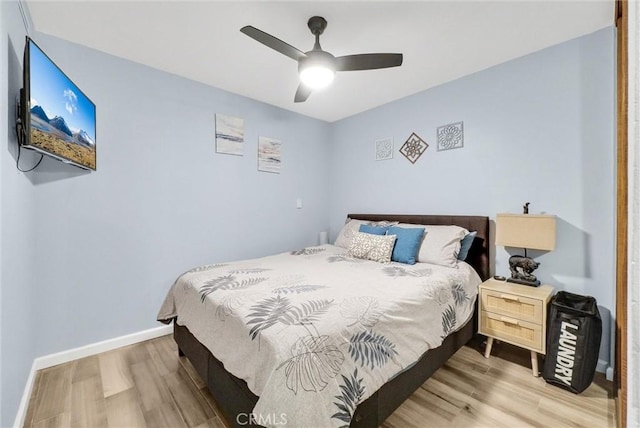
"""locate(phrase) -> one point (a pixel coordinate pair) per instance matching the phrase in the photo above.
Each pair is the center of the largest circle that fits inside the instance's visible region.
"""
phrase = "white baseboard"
(81, 352)
(104, 346)
(609, 373)
(604, 367)
(24, 402)
(601, 366)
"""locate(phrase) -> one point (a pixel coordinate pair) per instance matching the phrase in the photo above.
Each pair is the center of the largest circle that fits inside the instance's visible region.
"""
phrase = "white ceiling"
(200, 40)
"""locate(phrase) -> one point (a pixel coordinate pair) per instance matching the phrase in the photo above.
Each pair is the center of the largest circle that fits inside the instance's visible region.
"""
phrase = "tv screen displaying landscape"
(62, 118)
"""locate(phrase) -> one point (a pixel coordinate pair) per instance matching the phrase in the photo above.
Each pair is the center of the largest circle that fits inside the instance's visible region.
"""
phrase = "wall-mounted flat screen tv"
(59, 120)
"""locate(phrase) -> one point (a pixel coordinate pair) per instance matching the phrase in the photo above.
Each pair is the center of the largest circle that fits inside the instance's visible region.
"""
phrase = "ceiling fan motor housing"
(317, 24)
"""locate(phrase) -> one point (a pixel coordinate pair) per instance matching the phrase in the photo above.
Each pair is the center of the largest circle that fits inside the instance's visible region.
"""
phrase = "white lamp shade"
(531, 231)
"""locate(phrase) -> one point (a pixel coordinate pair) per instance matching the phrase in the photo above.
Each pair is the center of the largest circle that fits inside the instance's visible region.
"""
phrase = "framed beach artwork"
(229, 135)
(269, 155)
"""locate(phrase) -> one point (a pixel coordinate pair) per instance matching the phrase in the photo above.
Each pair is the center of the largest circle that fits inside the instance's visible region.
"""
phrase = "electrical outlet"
(299, 203)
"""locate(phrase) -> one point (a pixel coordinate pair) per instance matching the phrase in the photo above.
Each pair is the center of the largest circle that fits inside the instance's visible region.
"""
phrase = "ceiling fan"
(317, 67)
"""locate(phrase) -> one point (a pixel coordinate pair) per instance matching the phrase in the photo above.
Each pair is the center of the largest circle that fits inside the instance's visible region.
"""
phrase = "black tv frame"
(24, 109)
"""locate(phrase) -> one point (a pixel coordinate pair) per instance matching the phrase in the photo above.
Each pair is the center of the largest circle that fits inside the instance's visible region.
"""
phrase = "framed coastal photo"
(384, 149)
(269, 155)
(229, 135)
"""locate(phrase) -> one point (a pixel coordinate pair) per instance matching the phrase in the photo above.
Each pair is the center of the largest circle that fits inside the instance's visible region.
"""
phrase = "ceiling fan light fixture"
(317, 76)
(317, 69)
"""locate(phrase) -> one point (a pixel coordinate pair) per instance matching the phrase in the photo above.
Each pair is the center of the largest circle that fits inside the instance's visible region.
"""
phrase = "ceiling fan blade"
(302, 93)
(368, 61)
(273, 43)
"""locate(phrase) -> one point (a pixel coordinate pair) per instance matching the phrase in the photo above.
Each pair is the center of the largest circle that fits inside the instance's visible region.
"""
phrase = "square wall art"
(384, 149)
(450, 136)
(229, 135)
(413, 148)
(269, 155)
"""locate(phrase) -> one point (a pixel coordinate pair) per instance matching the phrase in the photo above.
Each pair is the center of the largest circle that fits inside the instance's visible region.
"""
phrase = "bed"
(398, 368)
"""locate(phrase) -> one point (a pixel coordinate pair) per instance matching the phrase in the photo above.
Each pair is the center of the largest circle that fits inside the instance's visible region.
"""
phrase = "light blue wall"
(111, 242)
(17, 239)
(539, 128)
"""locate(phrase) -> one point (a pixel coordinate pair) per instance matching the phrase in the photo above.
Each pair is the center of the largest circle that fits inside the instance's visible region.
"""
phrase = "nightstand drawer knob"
(510, 297)
(509, 321)
(503, 319)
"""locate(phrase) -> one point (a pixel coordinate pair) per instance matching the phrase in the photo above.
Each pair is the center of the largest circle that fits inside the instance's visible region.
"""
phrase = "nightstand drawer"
(517, 332)
(511, 305)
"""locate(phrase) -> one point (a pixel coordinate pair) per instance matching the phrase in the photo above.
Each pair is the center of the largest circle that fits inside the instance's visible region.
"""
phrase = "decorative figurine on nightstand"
(527, 231)
(522, 268)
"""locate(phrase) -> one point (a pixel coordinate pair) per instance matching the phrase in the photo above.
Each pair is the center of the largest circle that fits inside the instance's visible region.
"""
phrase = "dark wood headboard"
(478, 254)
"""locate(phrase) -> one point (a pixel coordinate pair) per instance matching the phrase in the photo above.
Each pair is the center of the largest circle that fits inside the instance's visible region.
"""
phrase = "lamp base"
(535, 283)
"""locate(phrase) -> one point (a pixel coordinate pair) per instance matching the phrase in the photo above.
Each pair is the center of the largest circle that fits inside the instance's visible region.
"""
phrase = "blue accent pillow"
(407, 244)
(465, 245)
(373, 230)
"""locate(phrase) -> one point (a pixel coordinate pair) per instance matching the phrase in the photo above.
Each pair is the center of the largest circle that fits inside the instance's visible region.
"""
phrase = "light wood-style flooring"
(147, 384)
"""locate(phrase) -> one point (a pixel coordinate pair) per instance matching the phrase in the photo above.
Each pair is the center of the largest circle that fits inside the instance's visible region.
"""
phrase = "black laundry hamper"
(574, 330)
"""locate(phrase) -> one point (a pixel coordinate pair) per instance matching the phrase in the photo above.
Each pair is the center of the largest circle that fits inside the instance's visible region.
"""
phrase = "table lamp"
(527, 231)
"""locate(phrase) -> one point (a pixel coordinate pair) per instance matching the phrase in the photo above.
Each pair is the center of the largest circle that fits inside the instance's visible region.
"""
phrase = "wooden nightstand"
(515, 314)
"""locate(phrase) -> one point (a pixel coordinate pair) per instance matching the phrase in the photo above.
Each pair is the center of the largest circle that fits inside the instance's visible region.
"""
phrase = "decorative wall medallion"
(229, 135)
(384, 149)
(413, 148)
(450, 136)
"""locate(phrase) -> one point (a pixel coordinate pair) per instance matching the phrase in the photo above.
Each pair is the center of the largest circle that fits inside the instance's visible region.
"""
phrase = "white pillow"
(372, 247)
(440, 245)
(350, 228)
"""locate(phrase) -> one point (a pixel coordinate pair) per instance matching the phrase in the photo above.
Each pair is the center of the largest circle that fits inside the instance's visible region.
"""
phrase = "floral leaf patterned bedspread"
(314, 332)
